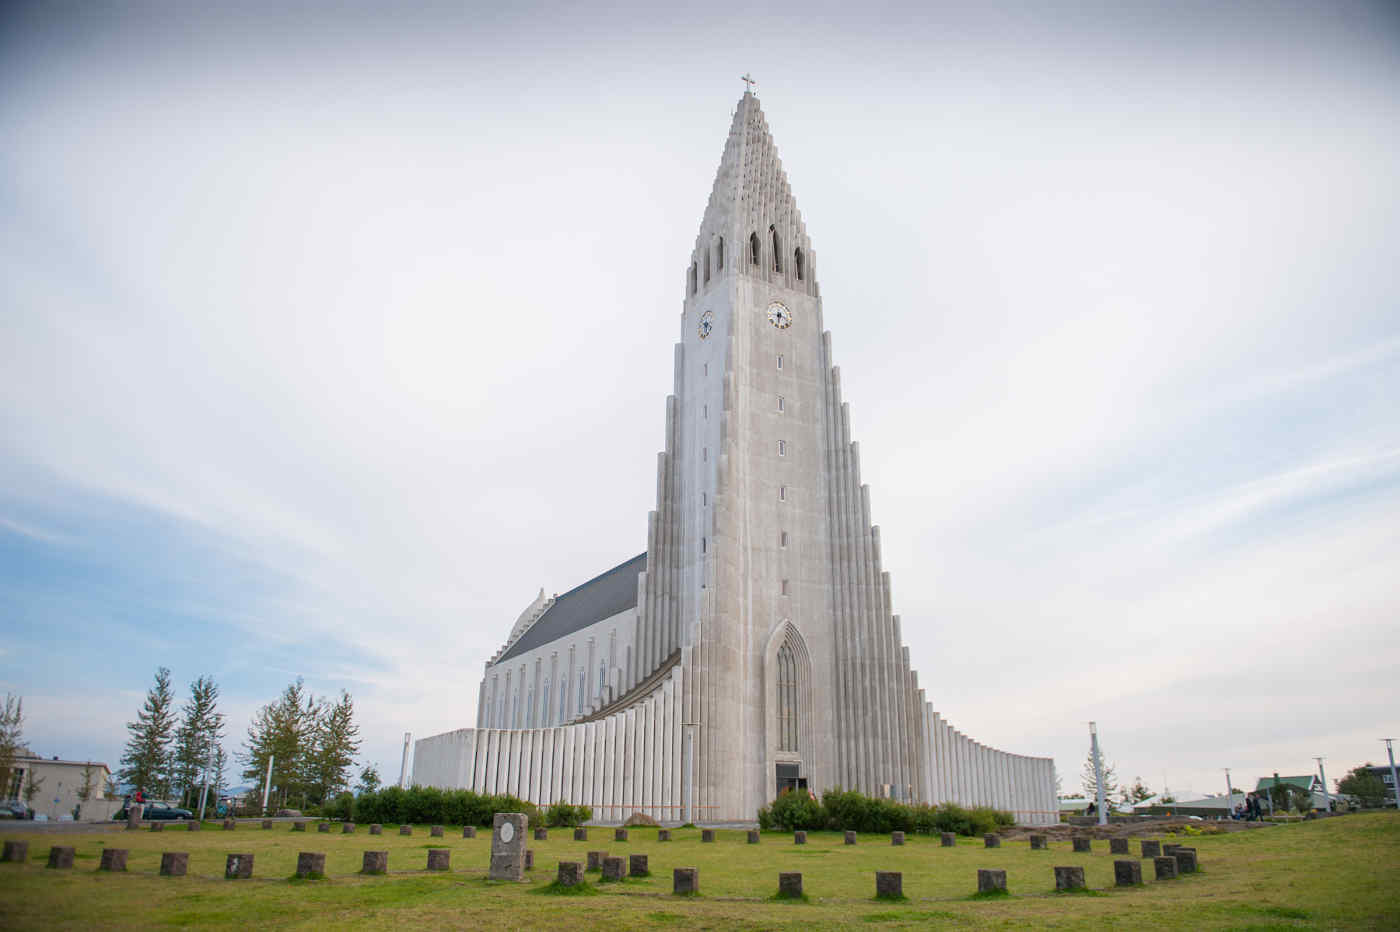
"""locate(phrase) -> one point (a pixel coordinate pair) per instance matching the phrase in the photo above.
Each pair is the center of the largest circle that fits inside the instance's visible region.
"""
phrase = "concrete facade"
(763, 649)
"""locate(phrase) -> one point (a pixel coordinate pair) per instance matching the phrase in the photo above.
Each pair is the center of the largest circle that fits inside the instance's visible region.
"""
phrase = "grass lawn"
(1331, 873)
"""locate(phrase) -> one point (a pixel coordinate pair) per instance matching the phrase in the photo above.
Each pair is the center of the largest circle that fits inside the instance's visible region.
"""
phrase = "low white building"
(55, 788)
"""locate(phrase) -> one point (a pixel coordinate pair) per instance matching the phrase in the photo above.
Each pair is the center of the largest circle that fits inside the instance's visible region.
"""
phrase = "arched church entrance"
(787, 671)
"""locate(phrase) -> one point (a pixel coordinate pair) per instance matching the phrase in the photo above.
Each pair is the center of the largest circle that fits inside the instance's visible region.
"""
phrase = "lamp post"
(1322, 772)
(1229, 794)
(1394, 783)
(1098, 771)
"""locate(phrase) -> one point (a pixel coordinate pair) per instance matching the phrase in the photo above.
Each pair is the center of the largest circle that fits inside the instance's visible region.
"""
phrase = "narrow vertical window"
(782, 539)
(787, 699)
(581, 688)
(707, 266)
(544, 703)
(602, 676)
(707, 370)
(702, 545)
(797, 264)
(753, 248)
(705, 454)
(780, 360)
(719, 253)
(782, 405)
(693, 287)
(704, 498)
(782, 448)
(705, 409)
(782, 493)
(777, 249)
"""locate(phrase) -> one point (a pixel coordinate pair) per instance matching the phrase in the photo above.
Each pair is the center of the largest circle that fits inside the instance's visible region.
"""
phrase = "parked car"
(14, 809)
(157, 812)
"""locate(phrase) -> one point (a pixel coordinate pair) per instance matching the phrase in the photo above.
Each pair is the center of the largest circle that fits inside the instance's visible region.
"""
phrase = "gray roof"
(601, 597)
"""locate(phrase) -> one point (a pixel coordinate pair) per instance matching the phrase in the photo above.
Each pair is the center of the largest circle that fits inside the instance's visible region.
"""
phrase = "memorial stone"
(61, 856)
(375, 862)
(435, 831)
(238, 867)
(991, 841)
(619, 834)
(1152, 849)
(614, 868)
(685, 880)
(529, 859)
(896, 838)
(157, 826)
(1118, 846)
(193, 825)
(267, 823)
(230, 825)
(508, 846)
(1165, 866)
(799, 838)
(1127, 873)
(1039, 843)
(113, 859)
(133, 818)
(989, 881)
(439, 859)
(947, 839)
(468, 831)
(570, 874)
(637, 865)
(753, 836)
(1069, 878)
(15, 851)
(174, 863)
(1185, 860)
(1081, 845)
(541, 834)
(790, 886)
(311, 865)
(595, 860)
(889, 885)
(663, 834)
(298, 826)
(707, 834)
(405, 829)
(580, 834)
(1170, 849)
(850, 838)
(323, 827)
(376, 829)
(347, 828)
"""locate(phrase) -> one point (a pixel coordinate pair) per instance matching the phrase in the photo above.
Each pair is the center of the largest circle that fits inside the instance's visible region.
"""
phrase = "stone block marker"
(193, 825)
(580, 834)
(174, 863)
(685, 880)
(947, 839)
(896, 838)
(1185, 860)
(1081, 845)
(230, 825)
(323, 827)
(113, 859)
(157, 826)
(347, 828)
(889, 885)
(619, 834)
(1169, 850)
(375, 862)
(1118, 846)
(1069, 878)
(570, 874)
(991, 841)
(614, 868)
(707, 834)
(663, 834)
(376, 829)
(238, 867)
(1152, 849)
(508, 846)
(541, 834)
(790, 886)
(298, 826)
(989, 881)
(1039, 843)
(1165, 866)
(595, 860)
(435, 831)
(61, 857)
(753, 836)
(637, 865)
(529, 859)
(311, 864)
(405, 829)
(16, 851)
(850, 838)
(267, 823)
(439, 859)
(133, 818)
(1127, 873)
(468, 831)
(799, 838)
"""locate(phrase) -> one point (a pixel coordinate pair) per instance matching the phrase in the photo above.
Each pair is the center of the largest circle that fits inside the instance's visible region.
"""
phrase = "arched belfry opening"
(787, 670)
(777, 249)
(753, 248)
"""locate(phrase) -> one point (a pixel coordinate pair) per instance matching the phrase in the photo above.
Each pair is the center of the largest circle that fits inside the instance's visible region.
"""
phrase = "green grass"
(1331, 873)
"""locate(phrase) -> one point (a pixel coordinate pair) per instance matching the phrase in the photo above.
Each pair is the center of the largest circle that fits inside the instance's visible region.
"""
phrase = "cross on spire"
(748, 80)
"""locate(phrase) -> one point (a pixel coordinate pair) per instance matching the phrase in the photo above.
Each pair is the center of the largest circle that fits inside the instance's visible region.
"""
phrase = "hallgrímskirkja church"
(753, 646)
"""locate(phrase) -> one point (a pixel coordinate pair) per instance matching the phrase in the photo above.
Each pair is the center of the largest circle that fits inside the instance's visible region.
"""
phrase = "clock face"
(779, 316)
(707, 323)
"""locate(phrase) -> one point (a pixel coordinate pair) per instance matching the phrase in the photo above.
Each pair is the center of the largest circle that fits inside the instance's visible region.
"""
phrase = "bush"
(563, 815)
(427, 805)
(341, 807)
(792, 810)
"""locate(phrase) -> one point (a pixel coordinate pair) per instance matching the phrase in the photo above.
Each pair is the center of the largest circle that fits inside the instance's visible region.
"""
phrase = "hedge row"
(427, 805)
(847, 810)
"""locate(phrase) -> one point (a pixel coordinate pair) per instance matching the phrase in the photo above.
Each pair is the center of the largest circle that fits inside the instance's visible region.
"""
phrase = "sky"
(331, 334)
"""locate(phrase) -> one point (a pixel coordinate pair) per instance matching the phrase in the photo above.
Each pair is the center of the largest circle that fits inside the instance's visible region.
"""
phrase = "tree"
(1110, 777)
(282, 731)
(31, 789)
(11, 739)
(146, 762)
(1132, 795)
(335, 746)
(369, 780)
(202, 727)
(1362, 783)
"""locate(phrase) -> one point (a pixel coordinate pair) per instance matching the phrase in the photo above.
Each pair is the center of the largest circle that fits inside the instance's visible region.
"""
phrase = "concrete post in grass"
(1069, 878)
(990, 881)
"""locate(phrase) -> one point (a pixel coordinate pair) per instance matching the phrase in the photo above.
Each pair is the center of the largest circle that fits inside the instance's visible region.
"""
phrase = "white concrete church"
(752, 647)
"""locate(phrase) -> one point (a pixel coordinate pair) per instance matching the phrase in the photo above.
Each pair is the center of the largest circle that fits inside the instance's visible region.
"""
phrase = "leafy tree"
(1110, 777)
(1362, 783)
(110, 787)
(201, 728)
(11, 739)
(369, 780)
(1132, 795)
(146, 762)
(283, 731)
(335, 743)
(31, 789)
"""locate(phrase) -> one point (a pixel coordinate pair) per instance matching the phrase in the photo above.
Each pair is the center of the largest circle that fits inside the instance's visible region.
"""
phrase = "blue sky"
(331, 336)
